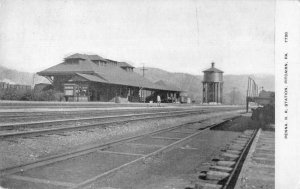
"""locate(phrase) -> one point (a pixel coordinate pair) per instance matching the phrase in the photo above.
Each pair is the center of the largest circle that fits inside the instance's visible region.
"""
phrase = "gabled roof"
(75, 56)
(85, 66)
(116, 75)
(95, 57)
(166, 86)
(104, 74)
(85, 57)
(89, 77)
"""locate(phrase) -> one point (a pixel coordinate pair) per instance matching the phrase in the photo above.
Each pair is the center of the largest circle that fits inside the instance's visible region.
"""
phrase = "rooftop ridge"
(94, 57)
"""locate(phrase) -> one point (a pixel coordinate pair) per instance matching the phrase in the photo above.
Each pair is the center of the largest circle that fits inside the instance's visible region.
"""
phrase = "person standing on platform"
(158, 100)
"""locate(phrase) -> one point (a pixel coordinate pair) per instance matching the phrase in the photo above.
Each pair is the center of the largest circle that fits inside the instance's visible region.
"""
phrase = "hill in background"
(234, 90)
(235, 86)
(23, 78)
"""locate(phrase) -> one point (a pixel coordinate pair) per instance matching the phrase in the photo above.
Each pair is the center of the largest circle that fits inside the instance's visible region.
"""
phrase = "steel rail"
(231, 181)
(49, 122)
(68, 155)
(78, 127)
(10, 115)
(85, 150)
(91, 180)
(79, 111)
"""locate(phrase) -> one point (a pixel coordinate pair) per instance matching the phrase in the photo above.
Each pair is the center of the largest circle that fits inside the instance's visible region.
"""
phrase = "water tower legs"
(212, 92)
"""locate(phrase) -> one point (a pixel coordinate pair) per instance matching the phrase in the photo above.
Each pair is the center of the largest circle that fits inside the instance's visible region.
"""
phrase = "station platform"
(259, 167)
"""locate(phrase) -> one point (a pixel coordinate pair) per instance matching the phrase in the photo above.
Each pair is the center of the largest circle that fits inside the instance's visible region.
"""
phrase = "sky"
(174, 35)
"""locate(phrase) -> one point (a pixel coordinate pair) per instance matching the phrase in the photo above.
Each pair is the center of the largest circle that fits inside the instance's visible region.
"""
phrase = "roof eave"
(42, 73)
(213, 71)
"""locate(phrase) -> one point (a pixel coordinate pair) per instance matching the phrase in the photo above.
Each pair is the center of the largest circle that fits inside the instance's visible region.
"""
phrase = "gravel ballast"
(17, 151)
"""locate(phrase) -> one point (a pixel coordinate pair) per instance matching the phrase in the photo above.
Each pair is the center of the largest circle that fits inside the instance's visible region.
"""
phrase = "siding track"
(157, 143)
(37, 128)
(58, 126)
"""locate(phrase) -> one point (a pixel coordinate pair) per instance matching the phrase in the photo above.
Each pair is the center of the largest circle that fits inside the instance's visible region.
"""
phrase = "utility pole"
(144, 69)
(142, 91)
(248, 94)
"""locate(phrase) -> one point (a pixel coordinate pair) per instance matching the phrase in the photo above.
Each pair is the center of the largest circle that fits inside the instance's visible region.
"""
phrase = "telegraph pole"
(144, 69)
(142, 91)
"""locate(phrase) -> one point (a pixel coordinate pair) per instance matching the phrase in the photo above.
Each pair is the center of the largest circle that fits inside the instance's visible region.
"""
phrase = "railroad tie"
(242, 140)
(221, 168)
(237, 152)
(229, 156)
(213, 175)
(201, 185)
(226, 163)
(236, 147)
(244, 137)
(239, 143)
(224, 166)
(216, 175)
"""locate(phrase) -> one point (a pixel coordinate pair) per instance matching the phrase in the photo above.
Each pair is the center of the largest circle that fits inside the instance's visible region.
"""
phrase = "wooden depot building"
(84, 77)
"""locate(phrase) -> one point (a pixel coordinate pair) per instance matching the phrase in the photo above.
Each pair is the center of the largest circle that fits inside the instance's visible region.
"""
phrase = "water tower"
(212, 85)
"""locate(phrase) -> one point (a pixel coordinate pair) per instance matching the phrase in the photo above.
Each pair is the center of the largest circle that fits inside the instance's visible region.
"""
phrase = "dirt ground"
(240, 124)
(180, 166)
(176, 169)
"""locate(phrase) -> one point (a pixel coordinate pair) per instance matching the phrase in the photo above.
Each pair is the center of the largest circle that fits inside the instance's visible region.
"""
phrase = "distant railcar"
(17, 87)
(265, 114)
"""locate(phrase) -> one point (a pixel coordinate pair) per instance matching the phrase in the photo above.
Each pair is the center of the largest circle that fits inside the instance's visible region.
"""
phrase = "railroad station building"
(84, 77)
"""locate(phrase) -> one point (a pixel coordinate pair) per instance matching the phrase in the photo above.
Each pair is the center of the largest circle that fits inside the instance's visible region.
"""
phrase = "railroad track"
(10, 117)
(58, 126)
(32, 104)
(7, 116)
(183, 132)
(224, 171)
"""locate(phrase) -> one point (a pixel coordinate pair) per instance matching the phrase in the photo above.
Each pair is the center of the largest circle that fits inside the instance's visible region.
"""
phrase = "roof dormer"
(125, 66)
(74, 59)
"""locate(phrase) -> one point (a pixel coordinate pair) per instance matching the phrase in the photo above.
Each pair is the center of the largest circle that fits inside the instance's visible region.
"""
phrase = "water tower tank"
(212, 85)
